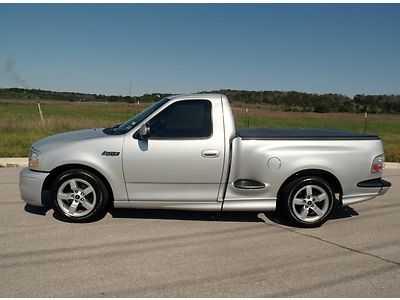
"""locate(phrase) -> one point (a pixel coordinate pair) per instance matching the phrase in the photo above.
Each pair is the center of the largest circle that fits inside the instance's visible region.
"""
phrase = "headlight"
(34, 158)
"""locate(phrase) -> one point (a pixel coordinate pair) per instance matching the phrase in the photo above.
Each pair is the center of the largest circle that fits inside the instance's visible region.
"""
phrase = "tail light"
(378, 164)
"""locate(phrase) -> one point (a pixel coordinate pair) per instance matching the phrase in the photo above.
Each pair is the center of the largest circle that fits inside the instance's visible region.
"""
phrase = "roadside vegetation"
(287, 101)
(20, 124)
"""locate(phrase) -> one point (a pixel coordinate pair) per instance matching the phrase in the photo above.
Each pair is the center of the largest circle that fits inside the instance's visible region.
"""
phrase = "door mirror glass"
(144, 131)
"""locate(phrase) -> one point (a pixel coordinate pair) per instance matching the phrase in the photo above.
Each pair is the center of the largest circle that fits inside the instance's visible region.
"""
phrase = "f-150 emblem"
(110, 153)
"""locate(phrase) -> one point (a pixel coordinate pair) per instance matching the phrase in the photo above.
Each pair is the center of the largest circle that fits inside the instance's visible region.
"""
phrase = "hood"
(68, 137)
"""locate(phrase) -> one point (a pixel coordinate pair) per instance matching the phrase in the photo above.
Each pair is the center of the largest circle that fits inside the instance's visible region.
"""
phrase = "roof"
(196, 96)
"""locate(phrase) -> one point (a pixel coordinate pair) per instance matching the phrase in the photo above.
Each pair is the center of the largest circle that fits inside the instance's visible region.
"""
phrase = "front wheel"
(79, 196)
(307, 201)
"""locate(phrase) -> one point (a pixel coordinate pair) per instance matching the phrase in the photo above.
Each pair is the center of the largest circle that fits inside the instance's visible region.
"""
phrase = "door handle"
(210, 153)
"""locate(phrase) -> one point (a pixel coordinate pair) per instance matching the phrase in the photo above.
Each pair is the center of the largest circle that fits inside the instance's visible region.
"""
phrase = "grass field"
(20, 124)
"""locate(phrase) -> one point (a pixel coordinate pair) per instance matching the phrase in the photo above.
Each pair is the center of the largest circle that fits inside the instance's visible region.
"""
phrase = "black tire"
(79, 196)
(306, 202)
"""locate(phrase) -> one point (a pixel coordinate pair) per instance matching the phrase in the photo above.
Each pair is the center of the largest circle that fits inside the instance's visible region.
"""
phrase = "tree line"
(287, 101)
(322, 103)
(36, 94)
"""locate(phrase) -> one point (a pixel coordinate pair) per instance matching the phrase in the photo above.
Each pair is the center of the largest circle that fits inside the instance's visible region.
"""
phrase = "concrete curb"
(391, 165)
(23, 162)
(13, 162)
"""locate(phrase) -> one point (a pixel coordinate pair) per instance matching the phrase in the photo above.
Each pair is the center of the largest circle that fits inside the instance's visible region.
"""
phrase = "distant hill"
(288, 101)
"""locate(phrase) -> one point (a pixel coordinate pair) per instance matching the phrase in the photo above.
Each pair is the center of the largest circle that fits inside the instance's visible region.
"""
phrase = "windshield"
(128, 125)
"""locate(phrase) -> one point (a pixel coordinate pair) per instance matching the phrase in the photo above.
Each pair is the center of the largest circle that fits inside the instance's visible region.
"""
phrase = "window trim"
(183, 138)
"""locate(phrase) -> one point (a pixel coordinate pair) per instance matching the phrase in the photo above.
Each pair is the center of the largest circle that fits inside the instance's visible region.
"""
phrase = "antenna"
(130, 88)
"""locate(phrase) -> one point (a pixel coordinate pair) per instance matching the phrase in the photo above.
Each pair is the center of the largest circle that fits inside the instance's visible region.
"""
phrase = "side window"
(183, 119)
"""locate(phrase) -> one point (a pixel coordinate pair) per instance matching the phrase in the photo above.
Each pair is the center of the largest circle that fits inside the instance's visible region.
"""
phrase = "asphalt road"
(133, 253)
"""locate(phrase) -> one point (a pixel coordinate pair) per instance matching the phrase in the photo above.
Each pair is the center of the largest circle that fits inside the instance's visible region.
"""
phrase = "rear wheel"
(79, 196)
(307, 201)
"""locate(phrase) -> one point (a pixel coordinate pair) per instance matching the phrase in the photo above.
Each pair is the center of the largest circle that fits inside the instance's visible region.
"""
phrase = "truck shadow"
(185, 215)
(338, 213)
(343, 212)
(163, 214)
(36, 210)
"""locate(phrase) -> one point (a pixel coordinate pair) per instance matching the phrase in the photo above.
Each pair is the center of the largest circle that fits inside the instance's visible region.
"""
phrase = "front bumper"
(30, 186)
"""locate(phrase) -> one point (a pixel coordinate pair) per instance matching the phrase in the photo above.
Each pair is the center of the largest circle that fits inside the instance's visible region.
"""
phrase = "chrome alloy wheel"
(76, 197)
(310, 203)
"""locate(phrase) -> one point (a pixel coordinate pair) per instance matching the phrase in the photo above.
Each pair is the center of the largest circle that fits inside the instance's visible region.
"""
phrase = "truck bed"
(301, 134)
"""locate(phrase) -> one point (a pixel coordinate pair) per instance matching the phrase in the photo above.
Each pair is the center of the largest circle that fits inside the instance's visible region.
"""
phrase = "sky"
(122, 49)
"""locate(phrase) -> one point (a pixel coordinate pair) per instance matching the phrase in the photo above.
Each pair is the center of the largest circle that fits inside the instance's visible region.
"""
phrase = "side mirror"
(143, 132)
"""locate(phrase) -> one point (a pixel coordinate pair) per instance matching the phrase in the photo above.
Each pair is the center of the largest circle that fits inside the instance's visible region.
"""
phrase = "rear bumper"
(369, 189)
(376, 183)
(30, 186)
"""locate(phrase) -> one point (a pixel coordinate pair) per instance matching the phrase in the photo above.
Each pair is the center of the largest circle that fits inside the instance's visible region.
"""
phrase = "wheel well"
(325, 175)
(57, 171)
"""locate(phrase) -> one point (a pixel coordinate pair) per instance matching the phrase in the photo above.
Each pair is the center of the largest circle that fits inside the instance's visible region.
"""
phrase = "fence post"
(365, 122)
(247, 118)
(40, 113)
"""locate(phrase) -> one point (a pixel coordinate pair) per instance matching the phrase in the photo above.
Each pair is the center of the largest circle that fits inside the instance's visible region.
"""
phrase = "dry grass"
(20, 125)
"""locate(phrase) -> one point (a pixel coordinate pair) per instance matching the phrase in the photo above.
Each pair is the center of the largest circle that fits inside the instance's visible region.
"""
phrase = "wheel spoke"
(317, 210)
(309, 190)
(86, 204)
(298, 201)
(304, 213)
(63, 196)
(73, 207)
(322, 197)
(88, 190)
(72, 184)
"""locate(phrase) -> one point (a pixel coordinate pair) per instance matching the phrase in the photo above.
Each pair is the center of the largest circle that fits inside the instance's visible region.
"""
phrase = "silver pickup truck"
(184, 152)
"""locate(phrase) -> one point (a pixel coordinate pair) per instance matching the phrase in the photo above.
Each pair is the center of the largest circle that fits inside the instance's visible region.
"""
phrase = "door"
(182, 158)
